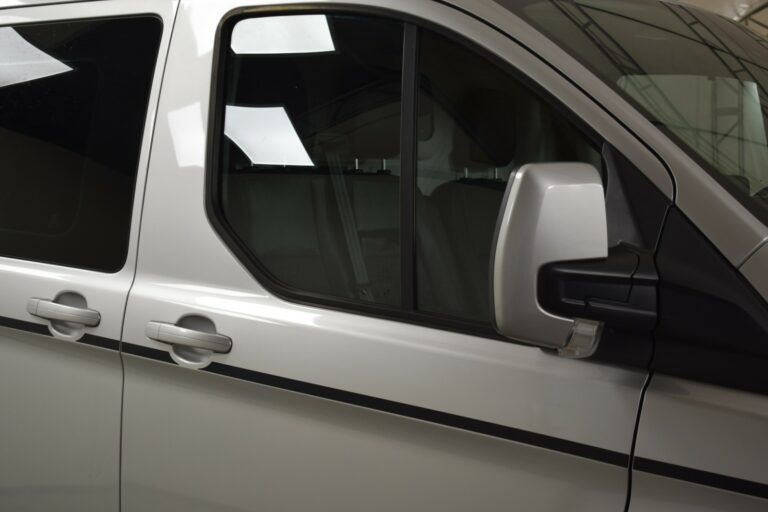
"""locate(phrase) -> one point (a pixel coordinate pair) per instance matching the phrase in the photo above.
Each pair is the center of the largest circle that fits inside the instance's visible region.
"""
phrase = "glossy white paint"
(737, 234)
(60, 426)
(10, 4)
(207, 442)
(60, 444)
(651, 493)
(551, 212)
(199, 441)
(237, 428)
(706, 428)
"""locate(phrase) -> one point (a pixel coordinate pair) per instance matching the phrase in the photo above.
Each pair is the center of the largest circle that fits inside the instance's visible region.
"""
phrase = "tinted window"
(310, 154)
(73, 103)
(309, 180)
(477, 125)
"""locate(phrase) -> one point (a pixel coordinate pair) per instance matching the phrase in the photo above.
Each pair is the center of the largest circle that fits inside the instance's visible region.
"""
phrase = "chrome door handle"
(54, 311)
(175, 335)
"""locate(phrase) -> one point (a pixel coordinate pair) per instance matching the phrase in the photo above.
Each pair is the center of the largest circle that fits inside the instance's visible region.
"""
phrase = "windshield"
(700, 77)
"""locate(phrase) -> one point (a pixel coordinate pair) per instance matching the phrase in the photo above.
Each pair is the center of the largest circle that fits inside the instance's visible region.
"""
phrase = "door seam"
(634, 440)
(161, 79)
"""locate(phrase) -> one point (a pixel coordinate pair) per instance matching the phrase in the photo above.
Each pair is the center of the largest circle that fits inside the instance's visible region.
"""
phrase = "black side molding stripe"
(98, 341)
(401, 409)
(87, 339)
(22, 325)
(472, 425)
(696, 476)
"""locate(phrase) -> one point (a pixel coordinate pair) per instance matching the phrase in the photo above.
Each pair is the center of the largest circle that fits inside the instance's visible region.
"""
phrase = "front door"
(310, 322)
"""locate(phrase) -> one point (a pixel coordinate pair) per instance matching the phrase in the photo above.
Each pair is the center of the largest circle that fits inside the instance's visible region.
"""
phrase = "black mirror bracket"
(620, 290)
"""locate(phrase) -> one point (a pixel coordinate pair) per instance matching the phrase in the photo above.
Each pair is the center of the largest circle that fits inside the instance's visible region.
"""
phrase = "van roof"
(8, 4)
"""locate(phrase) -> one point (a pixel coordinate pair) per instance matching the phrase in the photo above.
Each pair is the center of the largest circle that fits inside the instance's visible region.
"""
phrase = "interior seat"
(375, 201)
(290, 223)
(484, 140)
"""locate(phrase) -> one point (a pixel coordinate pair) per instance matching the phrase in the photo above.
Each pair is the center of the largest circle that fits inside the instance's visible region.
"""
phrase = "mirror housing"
(551, 212)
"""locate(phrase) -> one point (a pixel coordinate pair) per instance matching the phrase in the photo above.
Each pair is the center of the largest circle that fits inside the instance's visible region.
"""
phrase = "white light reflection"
(266, 135)
(188, 135)
(282, 34)
(47, 274)
(21, 61)
(213, 290)
(278, 315)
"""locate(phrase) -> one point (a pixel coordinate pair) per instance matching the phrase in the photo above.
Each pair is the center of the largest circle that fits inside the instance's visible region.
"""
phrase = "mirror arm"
(620, 290)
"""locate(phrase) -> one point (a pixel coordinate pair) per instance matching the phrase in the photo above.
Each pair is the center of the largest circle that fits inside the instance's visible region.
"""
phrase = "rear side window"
(73, 105)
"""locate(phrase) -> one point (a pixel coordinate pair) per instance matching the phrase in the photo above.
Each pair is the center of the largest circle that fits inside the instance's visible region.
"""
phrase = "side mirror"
(551, 213)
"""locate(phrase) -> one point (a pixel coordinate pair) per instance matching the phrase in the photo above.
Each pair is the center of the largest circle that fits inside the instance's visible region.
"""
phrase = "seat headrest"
(486, 128)
(376, 133)
(369, 120)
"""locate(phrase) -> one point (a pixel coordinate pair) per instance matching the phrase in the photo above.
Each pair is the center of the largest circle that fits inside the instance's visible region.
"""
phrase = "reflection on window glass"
(758, 22)
(701, 77)
(280, 35)
(310, 156)
(720, 118)
(265, 135)
(73, 103)
(477, 125)
(21, 61)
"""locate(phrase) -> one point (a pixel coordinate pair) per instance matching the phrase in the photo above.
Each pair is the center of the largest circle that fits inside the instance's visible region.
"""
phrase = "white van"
(422, 255)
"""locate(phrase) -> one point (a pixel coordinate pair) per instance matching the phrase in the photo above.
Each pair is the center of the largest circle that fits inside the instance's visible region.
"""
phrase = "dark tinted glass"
(700, 77)
(73, 103)
(476, 126)
(310, 159)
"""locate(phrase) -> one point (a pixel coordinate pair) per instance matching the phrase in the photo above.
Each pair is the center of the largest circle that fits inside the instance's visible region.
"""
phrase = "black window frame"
(142, 146)
(407, 311)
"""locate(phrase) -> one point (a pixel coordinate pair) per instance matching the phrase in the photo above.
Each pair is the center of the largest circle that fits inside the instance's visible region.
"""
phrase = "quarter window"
(325, 196)
(73, 103)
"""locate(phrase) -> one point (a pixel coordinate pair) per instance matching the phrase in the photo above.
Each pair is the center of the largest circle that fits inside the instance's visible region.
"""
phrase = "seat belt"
(350, 228)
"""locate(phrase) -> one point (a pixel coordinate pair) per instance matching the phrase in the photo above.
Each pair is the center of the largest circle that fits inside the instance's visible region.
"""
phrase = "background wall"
(753, 13)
